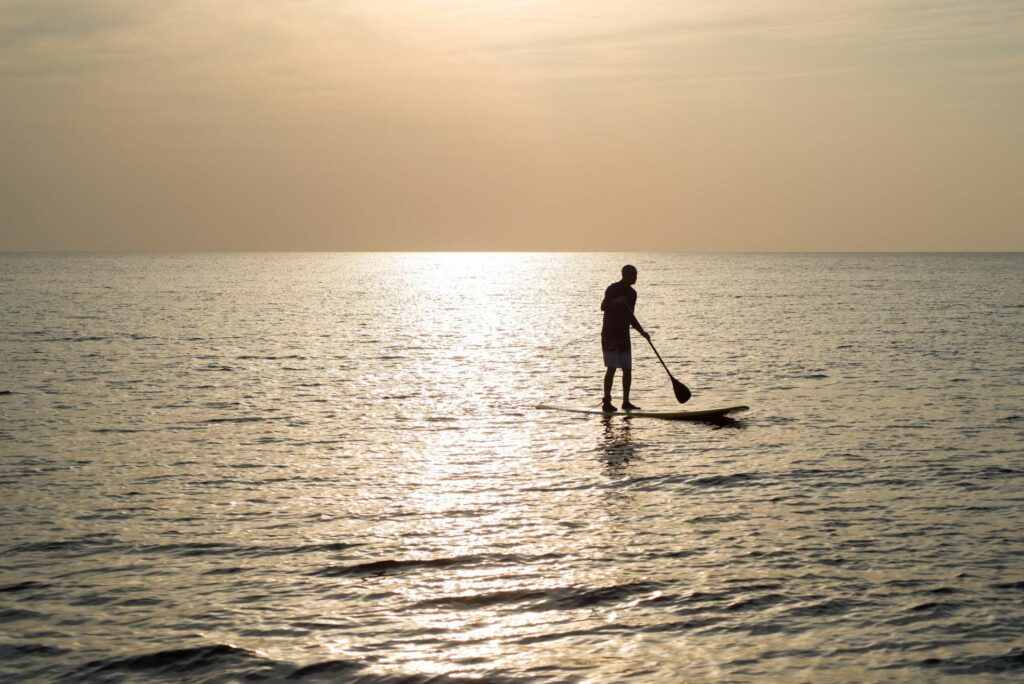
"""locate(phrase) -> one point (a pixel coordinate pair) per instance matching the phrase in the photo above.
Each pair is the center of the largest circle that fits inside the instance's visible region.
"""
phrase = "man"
(618, 305)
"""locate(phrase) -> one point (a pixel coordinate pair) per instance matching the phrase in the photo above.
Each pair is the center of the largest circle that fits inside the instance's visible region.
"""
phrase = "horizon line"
(494, 251)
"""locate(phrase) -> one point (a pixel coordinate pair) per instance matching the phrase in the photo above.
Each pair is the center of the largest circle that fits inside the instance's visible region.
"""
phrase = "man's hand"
(646, 335)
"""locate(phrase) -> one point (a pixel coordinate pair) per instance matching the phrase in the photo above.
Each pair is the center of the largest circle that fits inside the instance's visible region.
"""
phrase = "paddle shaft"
(659, 358)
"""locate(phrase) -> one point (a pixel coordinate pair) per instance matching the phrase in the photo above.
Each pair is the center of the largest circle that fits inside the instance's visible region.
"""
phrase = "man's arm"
(608, 304)
(639, 328)
(635, 323)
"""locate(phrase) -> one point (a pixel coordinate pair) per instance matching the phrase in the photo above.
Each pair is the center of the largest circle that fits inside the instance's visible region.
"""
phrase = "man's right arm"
(609, 303)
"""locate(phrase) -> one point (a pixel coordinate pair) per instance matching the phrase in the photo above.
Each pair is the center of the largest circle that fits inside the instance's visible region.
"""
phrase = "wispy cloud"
(448, 115)
(49, 37)
(29, 21)
(750, 39)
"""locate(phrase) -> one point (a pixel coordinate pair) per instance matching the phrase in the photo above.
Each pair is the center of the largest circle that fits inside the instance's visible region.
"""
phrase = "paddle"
(682, 392)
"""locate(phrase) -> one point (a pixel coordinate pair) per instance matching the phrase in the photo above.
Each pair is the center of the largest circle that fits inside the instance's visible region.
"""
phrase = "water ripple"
(327, 467)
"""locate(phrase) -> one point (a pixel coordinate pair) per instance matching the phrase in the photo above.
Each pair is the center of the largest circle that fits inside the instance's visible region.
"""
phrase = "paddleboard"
(704, 414)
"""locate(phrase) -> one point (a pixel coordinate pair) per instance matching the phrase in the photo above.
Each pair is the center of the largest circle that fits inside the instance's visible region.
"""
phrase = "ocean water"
(329, 467)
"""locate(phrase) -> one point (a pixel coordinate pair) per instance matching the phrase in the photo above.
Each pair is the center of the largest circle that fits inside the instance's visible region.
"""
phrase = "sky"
(591, 125)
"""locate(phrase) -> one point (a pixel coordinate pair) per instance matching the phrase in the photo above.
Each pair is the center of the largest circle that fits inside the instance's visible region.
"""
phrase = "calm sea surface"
(329, 467)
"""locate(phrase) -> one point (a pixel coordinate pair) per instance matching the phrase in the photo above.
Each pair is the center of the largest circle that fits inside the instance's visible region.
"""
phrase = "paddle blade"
(682, 392)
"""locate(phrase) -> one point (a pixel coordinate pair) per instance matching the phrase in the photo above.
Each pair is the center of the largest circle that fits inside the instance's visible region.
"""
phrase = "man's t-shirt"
(617, 318)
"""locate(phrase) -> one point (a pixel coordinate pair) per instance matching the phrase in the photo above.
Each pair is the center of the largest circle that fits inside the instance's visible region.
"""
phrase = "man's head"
(629, 274)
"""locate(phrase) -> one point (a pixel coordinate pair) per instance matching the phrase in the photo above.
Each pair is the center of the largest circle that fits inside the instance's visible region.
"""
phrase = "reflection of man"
(618, 445)
(619, 302)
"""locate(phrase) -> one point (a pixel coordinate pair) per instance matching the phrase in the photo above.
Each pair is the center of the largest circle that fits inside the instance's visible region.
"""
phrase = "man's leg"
(627, 380)
(606, 403)
(609, 376)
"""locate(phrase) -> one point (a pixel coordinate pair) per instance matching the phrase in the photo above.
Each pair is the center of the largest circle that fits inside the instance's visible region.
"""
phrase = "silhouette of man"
(618, 305)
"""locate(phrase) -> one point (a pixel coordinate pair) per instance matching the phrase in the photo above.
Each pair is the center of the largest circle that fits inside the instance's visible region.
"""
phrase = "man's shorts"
(619, 359)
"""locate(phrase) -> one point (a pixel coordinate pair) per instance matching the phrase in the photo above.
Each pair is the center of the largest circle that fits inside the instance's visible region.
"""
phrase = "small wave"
(9, 651)
(1012, 661)
(560, 598)
(720, 480)
(928, 610)
(234, 570)
(820, 608)
(587, 598)
(172, 663)
(688, 625)
(104, 540)
(140, 602)
(187, 549)
(756, 602)
(646, 483)
(255, 551)
(21, 586)
(223, 662)
(16, 614)
(997, 472)
(488, 600)
(705, 519)
(333, 670)
(568, 634)
(393, 566)
(682, 553)
(312, 548)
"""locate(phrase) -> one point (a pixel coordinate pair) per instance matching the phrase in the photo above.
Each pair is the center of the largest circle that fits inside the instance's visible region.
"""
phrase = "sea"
(331, 467)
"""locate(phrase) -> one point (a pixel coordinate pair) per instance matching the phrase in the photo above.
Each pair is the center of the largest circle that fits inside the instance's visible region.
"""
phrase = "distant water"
(329, 467)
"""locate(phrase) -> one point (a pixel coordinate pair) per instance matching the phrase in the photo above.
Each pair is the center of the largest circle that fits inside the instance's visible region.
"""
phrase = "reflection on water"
(236, 466)
(617, 444)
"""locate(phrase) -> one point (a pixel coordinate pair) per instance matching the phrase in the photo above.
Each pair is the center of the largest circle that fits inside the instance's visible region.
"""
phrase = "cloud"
(27, 21)
(48, 37)
(402, 117)
(747, 40)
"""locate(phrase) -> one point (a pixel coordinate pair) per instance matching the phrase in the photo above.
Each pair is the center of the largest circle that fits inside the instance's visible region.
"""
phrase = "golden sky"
(512, 124)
